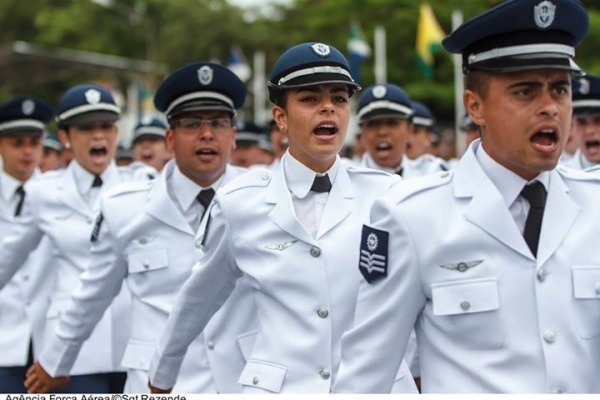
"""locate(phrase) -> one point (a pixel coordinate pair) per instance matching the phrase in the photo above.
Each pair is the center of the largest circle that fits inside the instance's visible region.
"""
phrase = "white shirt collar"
(507, 182)
(299, 177)
(84, 178)
(186, 190)
(9, 185)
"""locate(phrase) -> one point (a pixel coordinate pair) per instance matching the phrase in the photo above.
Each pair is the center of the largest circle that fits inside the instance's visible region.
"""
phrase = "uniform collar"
(299, 177)
(9, 185)
(84, 178)
(583, 161)
(184, 189)
(507, 182)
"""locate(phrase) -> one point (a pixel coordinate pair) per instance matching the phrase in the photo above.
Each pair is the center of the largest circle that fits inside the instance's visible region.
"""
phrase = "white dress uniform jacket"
(489, 316)
(578, 161)
(145, 240)
(424, 165)
(60, 212)
(305, 287)
(25, 297)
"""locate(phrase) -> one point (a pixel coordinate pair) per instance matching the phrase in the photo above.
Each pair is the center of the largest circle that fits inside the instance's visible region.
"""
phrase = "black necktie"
(97, 181)
(321, 184)
(21, 193)
(400, 171)
(535, 194)
(205, 197)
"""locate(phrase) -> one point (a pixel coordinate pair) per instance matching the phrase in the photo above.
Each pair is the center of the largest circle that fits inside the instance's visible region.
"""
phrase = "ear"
(280, 118)
(64, 138)
(474, 106)
(170, 140)
(233, 146)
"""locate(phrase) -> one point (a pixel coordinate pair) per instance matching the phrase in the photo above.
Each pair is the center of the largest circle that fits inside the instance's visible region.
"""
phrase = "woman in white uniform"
(289, 231)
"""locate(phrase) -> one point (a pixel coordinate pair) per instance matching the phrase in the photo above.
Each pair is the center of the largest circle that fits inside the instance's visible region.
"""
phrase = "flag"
(429, 40)
(358, 50)
(238, 65)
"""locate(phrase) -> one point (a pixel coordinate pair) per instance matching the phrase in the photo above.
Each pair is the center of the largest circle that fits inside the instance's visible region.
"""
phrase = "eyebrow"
(558, 82)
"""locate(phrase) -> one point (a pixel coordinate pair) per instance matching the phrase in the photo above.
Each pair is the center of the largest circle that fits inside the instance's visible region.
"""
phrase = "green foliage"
(175, 32)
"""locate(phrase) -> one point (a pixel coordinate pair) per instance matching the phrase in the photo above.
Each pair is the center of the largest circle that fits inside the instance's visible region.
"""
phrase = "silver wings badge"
(281, 246)
(462, 266)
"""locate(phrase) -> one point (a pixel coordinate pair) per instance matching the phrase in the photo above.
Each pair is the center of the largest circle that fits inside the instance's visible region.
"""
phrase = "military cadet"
(146, 236)
(248, 151)
(149, 145)
(287, 230)
(51, 158)
(499, 276)
(420, 143)
(23, 298)
(64, 205)
(586, 122)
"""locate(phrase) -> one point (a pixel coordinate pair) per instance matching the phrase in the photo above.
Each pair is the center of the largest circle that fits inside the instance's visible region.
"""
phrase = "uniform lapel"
(161, 206)
(69, 193)
(283, 213)
(339, 202)
(487, 208)
(559, 215)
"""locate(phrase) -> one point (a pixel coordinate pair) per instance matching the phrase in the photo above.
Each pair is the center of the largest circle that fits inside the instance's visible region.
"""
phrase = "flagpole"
(380, 55)
(259, 88)
(459, 87)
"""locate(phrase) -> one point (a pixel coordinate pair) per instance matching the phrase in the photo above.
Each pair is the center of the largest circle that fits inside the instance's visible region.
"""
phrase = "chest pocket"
(586, 294)
(469, 311)
(148, 260)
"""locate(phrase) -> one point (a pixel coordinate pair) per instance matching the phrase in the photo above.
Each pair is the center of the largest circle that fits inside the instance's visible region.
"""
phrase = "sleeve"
(98, 286)
(18, 244)
(212, 280)
(387, 306)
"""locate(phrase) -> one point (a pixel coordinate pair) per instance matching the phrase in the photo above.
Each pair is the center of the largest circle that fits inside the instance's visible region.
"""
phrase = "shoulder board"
(409, 187)
(252, 178)
(355, 169)
(128, 187)
(579, 175)
(51, 174)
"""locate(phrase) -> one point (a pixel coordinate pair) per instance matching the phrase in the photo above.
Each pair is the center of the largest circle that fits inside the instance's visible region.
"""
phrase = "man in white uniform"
(493, 264)
(145, 236)
(24, 299)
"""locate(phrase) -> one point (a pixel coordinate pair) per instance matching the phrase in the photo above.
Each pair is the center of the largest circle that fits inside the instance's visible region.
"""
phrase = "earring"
(67, 145)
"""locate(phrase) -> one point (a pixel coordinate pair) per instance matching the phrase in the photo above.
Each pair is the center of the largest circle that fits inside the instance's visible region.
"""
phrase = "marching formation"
(222, 258)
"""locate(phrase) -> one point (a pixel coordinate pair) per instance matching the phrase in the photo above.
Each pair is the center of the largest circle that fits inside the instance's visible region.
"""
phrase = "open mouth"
(592, 145)
(383, 147)
(326, 129)
(206, 152)
(99, 151)
(545, 139)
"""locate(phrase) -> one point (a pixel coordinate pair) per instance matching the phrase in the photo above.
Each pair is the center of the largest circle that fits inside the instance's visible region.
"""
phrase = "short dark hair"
(477, 81)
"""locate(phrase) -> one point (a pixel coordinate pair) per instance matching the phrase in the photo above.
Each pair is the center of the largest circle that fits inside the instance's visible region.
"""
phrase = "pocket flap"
(465, 296)
(246, 343)
(148, 260)
(138, 355)
(586, 281)
(263, 375)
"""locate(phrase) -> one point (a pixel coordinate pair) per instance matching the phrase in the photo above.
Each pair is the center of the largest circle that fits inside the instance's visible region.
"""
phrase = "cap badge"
(92, 96)
(320, 49)
(379, 91)
(205, 75)
(544, 14)
(584, 86)
(28, 107)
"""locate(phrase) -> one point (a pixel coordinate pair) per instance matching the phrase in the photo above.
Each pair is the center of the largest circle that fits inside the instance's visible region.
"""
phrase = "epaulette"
(55, 173)
(578, 175)
(409, 187)
(355, 169)
(253, 178)
(129, 187)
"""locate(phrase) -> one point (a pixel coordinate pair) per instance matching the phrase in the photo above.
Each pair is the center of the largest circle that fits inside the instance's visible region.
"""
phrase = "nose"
(549, 105)
(327, 105)
(206, 132)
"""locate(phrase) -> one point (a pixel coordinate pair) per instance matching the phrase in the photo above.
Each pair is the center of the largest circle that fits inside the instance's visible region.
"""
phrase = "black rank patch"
(97, 226)
(373, 254)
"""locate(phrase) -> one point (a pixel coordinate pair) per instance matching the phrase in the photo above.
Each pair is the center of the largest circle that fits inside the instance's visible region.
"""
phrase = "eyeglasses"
(194, 125)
